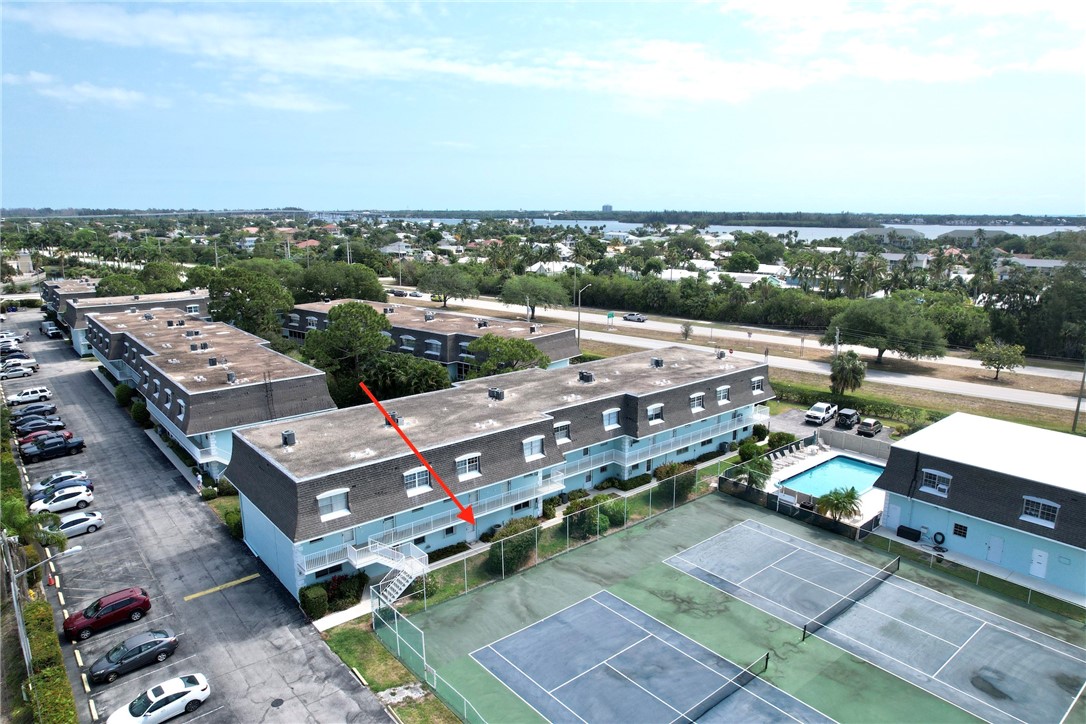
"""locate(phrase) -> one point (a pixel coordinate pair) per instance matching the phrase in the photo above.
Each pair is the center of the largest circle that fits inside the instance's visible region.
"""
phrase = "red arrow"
(465, 513)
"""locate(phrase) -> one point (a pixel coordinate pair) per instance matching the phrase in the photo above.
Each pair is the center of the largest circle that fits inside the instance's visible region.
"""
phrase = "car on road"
(182, 695)
(33, 424)
(32, 394)
(415, 293)
(8, 373)
(57, 478)
(79, 523)
(129, 604)
(133, 653)
(870, 427)
(38, 408)
(52, 447)
(41, 434)
(821, 413)
(21, 361)
(847, 418)
(37, 495)
(399, 293)
(634, 317)
(77, 496)
(436, 298)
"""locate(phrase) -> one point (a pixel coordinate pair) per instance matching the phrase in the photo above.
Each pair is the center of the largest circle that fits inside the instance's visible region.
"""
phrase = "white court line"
(537, 685)
(598, 664)
(1073, 701)
(924, 592)
(766, 568)
(703, 646)
(669, 706)
(936, 674)
(528, 626)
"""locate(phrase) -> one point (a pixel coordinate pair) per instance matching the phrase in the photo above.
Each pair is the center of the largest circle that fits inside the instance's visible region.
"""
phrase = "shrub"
(759, 432)
(345, 591)
(123, 394)
(585, 519)
(108, 375)
(9, 473)
(209, 493)
(448, 551)
(684, 485)
(32, 559)
(578, 494)
(509, 550)
(30, 303)
(550, 506)
(780, 439)
(635, 482)
(53, 700)
(44, 645)
(226, 487)
(749, 450)
(232, 518)
(314, 601)
(667, 470)
(139, 413)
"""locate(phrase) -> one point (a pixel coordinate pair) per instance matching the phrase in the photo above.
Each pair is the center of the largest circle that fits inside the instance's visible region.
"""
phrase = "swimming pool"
(838, 472)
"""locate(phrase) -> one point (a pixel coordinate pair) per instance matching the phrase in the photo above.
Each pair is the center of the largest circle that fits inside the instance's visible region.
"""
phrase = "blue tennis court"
(604, 660)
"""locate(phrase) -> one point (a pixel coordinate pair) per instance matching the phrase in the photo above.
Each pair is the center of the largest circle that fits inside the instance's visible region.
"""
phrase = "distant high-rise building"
(607, 207)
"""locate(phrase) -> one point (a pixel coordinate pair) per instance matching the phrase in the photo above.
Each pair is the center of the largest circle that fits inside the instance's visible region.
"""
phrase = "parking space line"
(231, 584)
(86, 685)
(60, 597)
(93, 710)
(78, 658)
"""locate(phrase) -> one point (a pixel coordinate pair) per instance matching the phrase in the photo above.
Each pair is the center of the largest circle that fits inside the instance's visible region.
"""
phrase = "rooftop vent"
(532, 328)
(496, 393)
(148, 316)
(389, 310)
(180, 323)
(193, 347)
(211, 361)
(482, 323)
(203, 345)
(231, 378)
(132, 309)
(428, 316)
(136, 296)
(586, 376)
(169, 322)
(395, 418)
(657, 362)
(288, 438)
(192, 291)
(720, 354)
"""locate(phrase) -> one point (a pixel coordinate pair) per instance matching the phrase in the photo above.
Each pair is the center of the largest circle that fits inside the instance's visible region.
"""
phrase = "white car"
(34, 394)
(634, 317)
(58, 478)
(79, 523)
(31, 363)
(76, 496)
(182, 695)
(15, 372)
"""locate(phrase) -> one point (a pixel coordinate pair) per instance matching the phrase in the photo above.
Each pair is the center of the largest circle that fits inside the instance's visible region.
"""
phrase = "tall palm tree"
(873, 272)
(847, 372)
(840, 503)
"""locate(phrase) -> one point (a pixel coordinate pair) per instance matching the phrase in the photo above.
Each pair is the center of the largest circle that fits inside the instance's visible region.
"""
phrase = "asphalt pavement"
(235, 623)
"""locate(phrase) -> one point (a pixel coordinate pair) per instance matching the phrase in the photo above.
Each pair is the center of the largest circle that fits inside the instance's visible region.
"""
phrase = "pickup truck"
(52, 448)
(821, 413)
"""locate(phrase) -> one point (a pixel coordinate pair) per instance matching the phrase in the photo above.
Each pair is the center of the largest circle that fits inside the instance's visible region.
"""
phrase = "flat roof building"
(74, 313)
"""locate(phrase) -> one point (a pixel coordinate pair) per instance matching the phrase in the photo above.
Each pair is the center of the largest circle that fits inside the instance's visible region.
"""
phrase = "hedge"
(32, 559)
(624, 485)
(780, 439)
(759, 432)
(585, 522)
(314, 601)
(123, 394)
(550, 506)
(345, 591)
(44, 645)
(108, 375)
(54, 702)
(232, 518)
(9, 473)
(506, 557)
(140, 414)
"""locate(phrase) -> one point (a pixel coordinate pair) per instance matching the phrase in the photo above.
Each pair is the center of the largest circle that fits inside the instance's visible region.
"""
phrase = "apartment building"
(75, 310)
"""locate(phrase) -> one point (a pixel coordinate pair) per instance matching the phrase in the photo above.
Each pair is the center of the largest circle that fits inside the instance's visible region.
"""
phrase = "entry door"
(995, 549)
(891, 519)
(1039, 565)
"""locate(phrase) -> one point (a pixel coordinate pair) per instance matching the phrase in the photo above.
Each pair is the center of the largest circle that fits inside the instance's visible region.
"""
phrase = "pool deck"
(871, 502)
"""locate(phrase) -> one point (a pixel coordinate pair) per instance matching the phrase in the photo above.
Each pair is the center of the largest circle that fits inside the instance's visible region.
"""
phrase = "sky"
(959, 107)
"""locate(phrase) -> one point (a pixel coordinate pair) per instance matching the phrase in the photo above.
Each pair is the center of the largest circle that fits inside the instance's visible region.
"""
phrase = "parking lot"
(235, 623)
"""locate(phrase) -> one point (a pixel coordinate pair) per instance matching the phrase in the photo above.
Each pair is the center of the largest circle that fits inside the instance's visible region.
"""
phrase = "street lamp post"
(579, 292)
(24, 642)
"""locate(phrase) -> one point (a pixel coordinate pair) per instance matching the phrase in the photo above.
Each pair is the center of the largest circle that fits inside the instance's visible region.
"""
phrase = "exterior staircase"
(406, 563)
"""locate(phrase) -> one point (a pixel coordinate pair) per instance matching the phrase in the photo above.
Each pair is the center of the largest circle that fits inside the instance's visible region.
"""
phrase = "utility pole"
(836, 340)
(1081, 390)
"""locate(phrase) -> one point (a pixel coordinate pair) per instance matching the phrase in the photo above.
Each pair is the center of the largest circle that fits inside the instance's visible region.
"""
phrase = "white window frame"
(407, 342)
(294, 318)
(413, 481)
(723, 394)
(332, 497)
(192, 309)
(157, 389)
(472, 466)
(935, 482)
(181, 409)
(169, 398)
(757, 385)
(533, 448)
(655, 413)
(614, 411)
(563, 426)
(697, 402)
(432, 346)
(310, 322)
(1038, 516)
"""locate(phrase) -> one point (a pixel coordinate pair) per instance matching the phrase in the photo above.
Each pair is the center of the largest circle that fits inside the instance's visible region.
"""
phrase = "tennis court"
(605, 660)
(990, 666)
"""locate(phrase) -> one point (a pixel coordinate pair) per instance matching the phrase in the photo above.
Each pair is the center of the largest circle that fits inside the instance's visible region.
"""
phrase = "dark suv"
(131, 604)
(847, 419)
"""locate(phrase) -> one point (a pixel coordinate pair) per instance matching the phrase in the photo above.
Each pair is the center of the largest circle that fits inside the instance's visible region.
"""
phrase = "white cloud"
(30, 78)
(78, 93)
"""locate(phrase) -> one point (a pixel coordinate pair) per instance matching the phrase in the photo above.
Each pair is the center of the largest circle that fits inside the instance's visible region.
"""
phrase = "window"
(656, 414)
(723, 394)
(157, 388)
(588, 478)
(757, 384)
(960, 530)
(416, 480)
(169, 398)
(561, 432)
(610, 418)
(467, 466)
(533, 448)
(180, 409)
(707, 443)
(522, 506)
(697, 402)
(935, 482)
(464, 351)
(192, 309)
(333, 504)
(329, 570)
(1040, 511)
(407, 343)
(421, 540)
(682, 450)
(603, 469)
(293, 318)
(450, 531)
(310, 322)
(433, 346)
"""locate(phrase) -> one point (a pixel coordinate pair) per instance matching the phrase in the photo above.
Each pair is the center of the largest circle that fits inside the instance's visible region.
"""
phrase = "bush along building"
(340, 492)
(202, 380)
(1010, 497)
(439, 336)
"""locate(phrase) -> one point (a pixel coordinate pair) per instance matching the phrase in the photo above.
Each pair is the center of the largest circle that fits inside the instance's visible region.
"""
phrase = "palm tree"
(847, 372)
(840, 503)
(758, 471)
(873, 272)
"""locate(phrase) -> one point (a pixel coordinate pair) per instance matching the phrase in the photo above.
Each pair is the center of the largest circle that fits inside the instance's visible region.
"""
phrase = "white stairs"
(406, 565)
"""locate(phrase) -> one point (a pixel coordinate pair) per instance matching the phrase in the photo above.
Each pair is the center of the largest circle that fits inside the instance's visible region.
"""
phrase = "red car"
(131, 604)
(35, 436)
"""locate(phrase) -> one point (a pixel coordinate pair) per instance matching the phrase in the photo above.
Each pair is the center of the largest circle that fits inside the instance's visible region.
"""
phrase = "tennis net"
(818, 622)
(731, 686)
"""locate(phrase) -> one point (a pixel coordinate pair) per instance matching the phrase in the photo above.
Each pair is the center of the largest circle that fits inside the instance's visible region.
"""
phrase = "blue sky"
(970, 107)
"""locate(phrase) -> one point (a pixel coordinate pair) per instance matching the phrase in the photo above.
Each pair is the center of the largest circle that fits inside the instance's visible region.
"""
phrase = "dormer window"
(310, 322)
(180, 409)
(723, 394)
(433, 346)
(533, 448)
(610, 418)
(192, 309)
(169, 399)
(467, 466)
(333, 504)
(417, 481)
(697, 402)
(935, 482)
(561, 433)
(656, 414)
(157, 388)
(757, 384)
(294, 318)
(1039, 511)
(407, 343)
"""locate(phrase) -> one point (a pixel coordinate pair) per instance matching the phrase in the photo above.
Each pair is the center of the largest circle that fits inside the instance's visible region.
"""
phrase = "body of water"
(838, 472)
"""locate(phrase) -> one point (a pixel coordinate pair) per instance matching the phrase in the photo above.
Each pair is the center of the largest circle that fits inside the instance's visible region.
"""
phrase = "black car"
(27, 426)
(40, 409)
(134, 653)
(71, 482)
